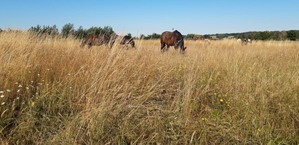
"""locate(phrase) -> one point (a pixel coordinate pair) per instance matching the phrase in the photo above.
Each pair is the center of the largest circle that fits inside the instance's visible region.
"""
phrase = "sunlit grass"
(54, 92)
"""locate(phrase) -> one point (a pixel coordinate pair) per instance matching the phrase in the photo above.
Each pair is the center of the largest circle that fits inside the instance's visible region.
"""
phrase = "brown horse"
(125, 40)
(174, 38)
(95, 40)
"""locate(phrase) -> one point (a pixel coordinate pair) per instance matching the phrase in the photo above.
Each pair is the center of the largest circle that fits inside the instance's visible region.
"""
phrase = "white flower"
(8, 90)
(1, 92)
(20, 86)
(27, 88)
(2, 96)
(18, 98)
(3, 103)
(18, 91)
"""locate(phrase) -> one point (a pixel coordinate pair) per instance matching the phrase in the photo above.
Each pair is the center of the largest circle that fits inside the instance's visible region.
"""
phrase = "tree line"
(264, 35)
(68, 30)
(292, 35)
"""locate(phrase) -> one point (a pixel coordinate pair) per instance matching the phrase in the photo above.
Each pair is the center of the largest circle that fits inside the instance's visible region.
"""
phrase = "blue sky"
(149, 16)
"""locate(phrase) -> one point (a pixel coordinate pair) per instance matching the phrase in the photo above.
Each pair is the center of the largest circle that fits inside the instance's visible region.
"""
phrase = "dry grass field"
(54, 92)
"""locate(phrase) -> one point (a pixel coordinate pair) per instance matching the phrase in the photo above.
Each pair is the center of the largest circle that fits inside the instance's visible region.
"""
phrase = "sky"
(154, 16)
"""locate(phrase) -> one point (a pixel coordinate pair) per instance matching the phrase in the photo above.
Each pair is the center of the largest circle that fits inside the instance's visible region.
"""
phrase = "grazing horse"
(249, 41)
(174, 38)
(123, 40)
(127, 40)
(244, 41)
(207, 41)
(95, 40)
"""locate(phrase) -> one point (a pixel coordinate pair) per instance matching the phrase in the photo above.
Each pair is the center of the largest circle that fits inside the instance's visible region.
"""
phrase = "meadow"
(54, 92)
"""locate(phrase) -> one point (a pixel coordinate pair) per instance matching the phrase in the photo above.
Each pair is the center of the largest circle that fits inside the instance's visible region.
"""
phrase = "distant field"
(54, 92)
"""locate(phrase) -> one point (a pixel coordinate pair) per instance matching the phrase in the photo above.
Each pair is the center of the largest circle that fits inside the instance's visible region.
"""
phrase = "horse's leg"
(126, 46)
(163, 47)
(89, 45)
(132, 44)
(175, 47)
(167, 47)
(112, 43)
(181, 50)
(82, 44)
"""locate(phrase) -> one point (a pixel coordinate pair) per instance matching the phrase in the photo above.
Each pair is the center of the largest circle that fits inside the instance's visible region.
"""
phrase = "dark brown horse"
(122, 40)
(95, 40)
(174, 38)
(126, 40)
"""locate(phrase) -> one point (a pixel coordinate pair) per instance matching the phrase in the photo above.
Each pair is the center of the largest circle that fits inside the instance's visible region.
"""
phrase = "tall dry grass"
(54, 92)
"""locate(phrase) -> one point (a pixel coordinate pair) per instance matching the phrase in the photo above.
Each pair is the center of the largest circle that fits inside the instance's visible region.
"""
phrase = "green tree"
(67, 30)
(155, 36)
(35, 29)
(190, 36)
(80, 33)
(107, 30)
(282, 35)
(291, 35)
(206, 36)
(53, 30)
(129, 34)
(265, 35)
(95, 30)
(142, 36)
(45, 30)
